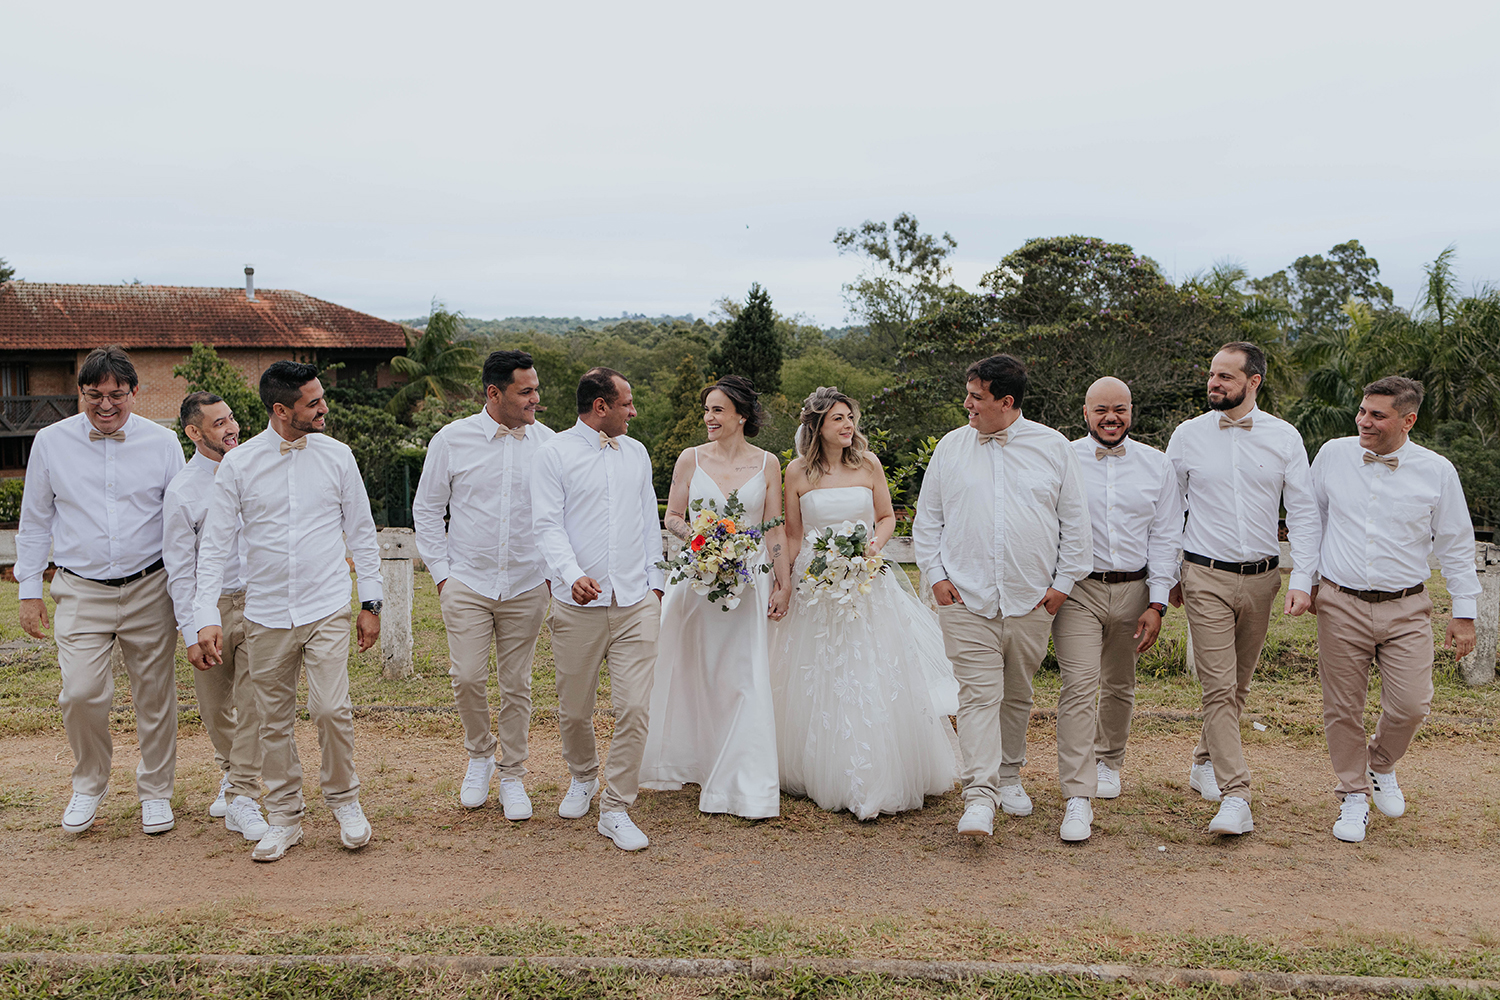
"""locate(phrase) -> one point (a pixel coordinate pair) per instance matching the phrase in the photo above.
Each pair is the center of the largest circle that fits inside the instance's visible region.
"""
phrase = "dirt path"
(1431, 875)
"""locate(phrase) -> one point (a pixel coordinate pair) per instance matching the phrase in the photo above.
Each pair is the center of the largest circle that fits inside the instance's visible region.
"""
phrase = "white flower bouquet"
(715, 562)
(840, 572)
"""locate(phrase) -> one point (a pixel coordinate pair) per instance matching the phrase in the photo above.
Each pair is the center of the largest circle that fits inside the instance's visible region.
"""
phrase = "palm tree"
(434, 364)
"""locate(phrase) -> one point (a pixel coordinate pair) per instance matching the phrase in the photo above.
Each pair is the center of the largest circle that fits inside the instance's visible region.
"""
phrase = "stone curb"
(767, 968)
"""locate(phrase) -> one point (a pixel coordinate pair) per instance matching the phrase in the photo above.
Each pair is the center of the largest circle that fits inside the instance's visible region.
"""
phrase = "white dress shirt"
(298, 511)
(481, 478)
(1136, 512)
(1381, 524)
(1235, 482)
(95, 505)
(594, 508)
(184, 509)
(1002, 523)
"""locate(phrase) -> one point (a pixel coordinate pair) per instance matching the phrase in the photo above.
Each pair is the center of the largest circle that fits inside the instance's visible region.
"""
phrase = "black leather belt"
(121, 581)
(1380, 596)
(1243, 569)
(1119, 577)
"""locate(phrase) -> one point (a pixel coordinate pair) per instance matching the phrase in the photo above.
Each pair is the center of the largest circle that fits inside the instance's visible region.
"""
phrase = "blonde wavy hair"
(810, 433)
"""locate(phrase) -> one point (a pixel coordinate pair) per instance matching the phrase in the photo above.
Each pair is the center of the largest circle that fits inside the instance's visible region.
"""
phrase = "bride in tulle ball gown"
(861, 703)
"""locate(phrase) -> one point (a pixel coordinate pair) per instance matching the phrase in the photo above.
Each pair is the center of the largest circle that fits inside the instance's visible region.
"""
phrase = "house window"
(13, 380)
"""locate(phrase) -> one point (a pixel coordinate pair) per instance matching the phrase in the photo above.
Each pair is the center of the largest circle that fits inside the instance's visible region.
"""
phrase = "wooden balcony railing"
(25, 415)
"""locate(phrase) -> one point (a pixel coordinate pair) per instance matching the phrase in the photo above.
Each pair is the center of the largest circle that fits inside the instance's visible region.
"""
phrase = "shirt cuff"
(571, 574)
(207, 617)
(31, 589)
(439, 570)
(656, 579)
(189, 639)
(1465, 607)
(1158, 595)
(937, 576)
(1063, 584)
(1300, 581)
(369, 590)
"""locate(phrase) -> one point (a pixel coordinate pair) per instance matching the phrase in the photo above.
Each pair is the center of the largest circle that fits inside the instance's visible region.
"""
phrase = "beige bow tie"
(1118, 451)
(1390, 461)
(605, 441)
(97, 435)
(296, 445)
(998, 437)
(1244, 423)
(516, 432)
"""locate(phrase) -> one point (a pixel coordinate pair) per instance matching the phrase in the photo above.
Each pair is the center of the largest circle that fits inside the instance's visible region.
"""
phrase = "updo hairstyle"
(745, 399)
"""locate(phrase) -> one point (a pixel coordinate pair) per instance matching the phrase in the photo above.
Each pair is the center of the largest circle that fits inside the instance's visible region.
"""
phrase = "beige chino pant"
(277, 656)
(475, 623)
(226, 703)
(1397, 637)
(994, 661)
(89, 618)
(581, 638)
(1093, 635)
(1228, 616)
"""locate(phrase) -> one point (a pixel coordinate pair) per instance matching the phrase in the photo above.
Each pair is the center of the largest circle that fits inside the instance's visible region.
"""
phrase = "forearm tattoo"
(677, 525)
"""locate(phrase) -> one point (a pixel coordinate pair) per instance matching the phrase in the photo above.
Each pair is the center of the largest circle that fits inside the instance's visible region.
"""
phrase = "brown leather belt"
(1243, 569)
(1119, 577)
(118, 581)
(1380, 596)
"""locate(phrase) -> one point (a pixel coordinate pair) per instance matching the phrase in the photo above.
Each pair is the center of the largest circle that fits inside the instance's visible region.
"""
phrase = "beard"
(1124, 433)
(305, 426)
(1228, 402)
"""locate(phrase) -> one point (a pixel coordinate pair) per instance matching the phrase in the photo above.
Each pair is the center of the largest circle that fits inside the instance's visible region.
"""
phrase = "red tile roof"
(39, 315)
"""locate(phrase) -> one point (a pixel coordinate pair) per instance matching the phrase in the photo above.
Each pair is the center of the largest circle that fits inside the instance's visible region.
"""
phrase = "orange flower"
(697, 543)
(728, 525)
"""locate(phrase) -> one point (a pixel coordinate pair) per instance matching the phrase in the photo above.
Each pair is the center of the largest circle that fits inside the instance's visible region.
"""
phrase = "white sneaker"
(275, 843)
(978, 819)
(354, 829)
(1077, 824)
(476, 789)
(513, 796)
(79, 815)
(575, 804)
(219, 807)
(618, 827)
(245, 819)
(1201, 780)
(1354, 816)
(1388, 796)
(1014, 800)
(1109, 781)
(156, 816)
(1233, 818)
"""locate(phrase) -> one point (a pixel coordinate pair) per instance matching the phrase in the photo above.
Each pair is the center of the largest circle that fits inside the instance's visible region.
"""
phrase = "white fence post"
(1478, 668)
(398, 547)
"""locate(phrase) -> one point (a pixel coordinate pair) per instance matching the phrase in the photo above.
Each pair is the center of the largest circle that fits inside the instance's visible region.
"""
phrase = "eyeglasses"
(117, 397)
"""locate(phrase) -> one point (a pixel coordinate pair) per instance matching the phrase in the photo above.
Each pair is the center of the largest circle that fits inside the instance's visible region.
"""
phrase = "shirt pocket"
(1038, 495)
(1412, 521)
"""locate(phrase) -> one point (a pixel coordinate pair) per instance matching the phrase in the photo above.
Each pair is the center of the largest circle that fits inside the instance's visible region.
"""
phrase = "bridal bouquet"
(715, 561)
(839, 570)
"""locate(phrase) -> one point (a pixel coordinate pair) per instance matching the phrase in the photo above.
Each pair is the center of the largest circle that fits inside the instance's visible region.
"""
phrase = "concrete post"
(398, 547)
(1478, 668)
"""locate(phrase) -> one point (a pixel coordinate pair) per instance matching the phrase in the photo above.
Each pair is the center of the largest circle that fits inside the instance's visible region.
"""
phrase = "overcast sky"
(589, 159)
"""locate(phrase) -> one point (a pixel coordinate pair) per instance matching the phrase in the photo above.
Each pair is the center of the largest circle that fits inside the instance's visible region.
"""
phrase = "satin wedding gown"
(862, 705)
(711, 718)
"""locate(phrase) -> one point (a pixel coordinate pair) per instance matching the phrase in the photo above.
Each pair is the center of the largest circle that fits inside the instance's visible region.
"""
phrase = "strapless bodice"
(836, 504)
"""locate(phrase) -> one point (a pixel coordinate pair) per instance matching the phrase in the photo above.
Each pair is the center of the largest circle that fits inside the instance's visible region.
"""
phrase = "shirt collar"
(490, 424)
(203, 461)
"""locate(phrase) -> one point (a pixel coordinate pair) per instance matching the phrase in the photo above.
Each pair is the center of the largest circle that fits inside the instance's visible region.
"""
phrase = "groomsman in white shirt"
(1114, 614)
(1387, 504)
(226, 697)
(1236, 465)
(94, 486)
(1002, 534)
(490, 576)
(597, 526)
(298, 496)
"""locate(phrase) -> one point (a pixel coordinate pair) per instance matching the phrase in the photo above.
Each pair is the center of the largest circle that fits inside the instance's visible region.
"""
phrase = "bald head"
(1106, 409)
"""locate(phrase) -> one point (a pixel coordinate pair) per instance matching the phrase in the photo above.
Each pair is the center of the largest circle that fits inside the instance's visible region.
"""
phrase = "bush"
(10, 498)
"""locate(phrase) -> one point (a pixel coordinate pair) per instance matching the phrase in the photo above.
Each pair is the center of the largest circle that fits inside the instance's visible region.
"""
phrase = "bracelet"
(1160, 609)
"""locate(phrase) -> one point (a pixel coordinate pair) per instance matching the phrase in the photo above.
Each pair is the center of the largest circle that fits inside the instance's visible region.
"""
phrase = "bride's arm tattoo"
(677, 524)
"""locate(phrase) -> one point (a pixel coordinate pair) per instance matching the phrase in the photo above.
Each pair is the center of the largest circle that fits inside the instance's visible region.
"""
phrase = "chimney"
(249, 283)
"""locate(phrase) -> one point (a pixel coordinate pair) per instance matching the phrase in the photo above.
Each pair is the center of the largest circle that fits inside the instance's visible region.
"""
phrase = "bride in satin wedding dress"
(861, 705)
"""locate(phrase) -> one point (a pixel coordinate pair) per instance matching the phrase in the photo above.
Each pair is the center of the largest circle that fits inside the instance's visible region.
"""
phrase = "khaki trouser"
(226, 702)
(1228, 615)
(89, 618)
(994, 660)
(1093, 635)
(581, 638)
(474, 623)
(1397, 636)
(276, 656)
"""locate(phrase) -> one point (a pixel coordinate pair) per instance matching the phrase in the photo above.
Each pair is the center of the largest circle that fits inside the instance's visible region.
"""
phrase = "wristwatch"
(1159, 608)
(371, 606)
